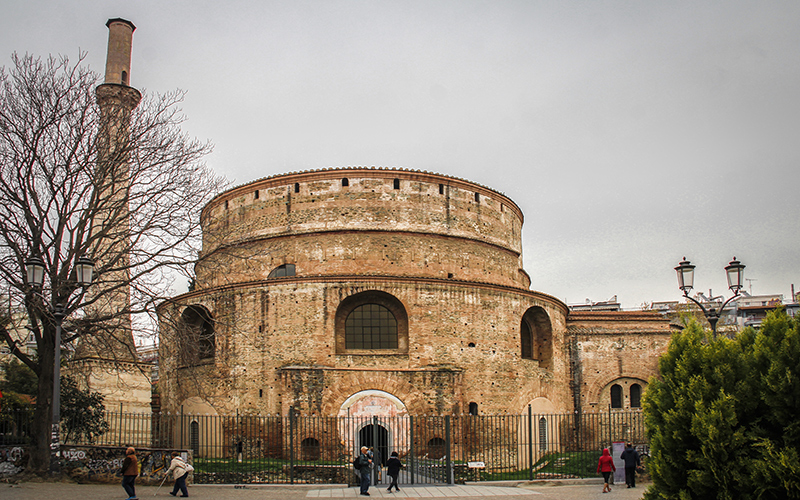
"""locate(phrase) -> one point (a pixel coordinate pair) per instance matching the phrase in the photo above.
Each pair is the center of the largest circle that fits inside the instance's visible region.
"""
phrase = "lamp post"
(34, 270)
(735, 273)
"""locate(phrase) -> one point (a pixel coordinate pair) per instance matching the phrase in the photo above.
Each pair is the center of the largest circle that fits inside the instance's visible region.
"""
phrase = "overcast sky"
(630, 133)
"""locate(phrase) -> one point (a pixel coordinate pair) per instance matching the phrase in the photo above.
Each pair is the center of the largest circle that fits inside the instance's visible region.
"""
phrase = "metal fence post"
(411, 465)
(530, 443)
(448, 459)
(291, 445)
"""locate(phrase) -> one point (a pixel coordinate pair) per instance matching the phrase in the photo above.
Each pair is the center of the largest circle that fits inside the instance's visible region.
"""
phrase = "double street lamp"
(735, 273)
(34, 271)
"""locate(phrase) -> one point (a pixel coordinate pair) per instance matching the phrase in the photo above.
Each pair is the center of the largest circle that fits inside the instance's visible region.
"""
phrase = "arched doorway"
(376, 419)
(375, 436)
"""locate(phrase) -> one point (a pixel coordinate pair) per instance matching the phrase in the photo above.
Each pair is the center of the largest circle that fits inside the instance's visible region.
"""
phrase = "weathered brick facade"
(442, 254)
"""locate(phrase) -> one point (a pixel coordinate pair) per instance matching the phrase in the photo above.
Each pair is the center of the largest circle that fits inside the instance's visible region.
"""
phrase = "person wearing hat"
(130, 469)
(393, 466)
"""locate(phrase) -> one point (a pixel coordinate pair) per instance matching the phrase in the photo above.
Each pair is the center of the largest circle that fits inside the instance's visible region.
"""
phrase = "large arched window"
(636, 396)
(616, 396)
(196, 335)
(371, 321)
(370, 326)
(536, 337)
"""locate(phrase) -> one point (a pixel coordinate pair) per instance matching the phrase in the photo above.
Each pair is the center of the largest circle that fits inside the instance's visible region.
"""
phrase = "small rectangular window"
(397, 183)
(296, 187)
(256, 194)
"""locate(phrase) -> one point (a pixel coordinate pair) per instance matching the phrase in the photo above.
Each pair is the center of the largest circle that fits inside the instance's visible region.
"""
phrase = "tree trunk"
(39, 462)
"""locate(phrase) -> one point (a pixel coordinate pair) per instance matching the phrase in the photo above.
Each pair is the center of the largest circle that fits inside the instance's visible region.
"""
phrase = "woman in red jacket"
(606, 466)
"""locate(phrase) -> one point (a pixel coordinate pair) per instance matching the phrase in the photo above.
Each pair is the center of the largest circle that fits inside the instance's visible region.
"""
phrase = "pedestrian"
(364, 463)
(606, 467)
(180, 471)
(130, 469)
(393, 466)
(631, 458)
(377, 464)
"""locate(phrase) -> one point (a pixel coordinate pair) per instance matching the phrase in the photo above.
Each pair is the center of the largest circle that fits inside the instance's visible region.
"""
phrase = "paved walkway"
(425, 492)
(585, 490)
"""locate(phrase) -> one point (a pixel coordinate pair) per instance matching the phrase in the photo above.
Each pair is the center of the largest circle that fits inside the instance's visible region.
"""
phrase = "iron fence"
(314, 449)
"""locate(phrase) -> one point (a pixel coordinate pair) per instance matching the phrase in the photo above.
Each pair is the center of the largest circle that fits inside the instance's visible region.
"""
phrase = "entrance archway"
(375, 419)
(375, 436)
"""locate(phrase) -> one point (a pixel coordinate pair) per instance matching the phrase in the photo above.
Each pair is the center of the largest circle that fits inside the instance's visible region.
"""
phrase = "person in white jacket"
(180, 470)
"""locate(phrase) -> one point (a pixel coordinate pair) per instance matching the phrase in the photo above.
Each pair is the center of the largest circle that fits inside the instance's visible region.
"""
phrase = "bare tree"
(123, 187)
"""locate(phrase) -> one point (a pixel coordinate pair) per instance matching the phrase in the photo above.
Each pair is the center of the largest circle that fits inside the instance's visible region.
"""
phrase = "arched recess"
(371, 318)
(536, 337)
(544, 427)
(377, 419)
(196, 337)
(198, 427)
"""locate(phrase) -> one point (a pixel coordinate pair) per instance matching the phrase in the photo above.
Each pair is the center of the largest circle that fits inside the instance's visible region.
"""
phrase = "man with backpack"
(363, 464)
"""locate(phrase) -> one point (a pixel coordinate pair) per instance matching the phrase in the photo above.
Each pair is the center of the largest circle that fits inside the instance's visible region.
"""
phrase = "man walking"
(364, 463)
(631, 458)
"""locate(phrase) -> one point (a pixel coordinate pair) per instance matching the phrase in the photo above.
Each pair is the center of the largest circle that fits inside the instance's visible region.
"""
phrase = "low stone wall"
(103, 464)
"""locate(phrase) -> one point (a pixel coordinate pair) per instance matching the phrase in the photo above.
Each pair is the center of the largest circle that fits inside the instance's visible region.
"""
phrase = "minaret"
(106, 359)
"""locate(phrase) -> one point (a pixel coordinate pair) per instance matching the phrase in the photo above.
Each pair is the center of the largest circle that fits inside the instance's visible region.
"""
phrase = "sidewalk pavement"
(583, 490)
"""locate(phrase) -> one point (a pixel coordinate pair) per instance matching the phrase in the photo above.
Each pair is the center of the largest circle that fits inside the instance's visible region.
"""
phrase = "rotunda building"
(337, 290)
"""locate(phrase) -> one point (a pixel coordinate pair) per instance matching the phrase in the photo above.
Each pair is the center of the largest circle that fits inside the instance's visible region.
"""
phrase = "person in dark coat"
(606, 466)
(393, 466)
(364, 464)
(631, 458)
(130, 469)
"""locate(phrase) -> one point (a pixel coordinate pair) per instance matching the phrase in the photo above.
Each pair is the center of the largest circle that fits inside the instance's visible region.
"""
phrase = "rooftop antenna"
(750, 284)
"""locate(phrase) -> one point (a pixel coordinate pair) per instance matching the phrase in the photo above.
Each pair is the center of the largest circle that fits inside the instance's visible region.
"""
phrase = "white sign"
(476, 465)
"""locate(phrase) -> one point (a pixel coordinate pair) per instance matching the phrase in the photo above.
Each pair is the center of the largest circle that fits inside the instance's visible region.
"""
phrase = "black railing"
(313, 449)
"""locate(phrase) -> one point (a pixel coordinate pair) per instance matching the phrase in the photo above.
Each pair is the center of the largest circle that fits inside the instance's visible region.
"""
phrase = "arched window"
(636, 396)
(526, 340)
(125, 78)
(296, 187)
(542, 434)
(437, 447)
(309, 449)
(282, 271)
(536, 337)
(196, 335)
(616, 396)
(371, 326)
(397, 183)
(345, 182)
(473, 408)
(194, 437)
(369, 321)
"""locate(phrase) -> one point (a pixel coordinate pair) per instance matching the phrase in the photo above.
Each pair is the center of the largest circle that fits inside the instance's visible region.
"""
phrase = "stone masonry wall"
(614, 347)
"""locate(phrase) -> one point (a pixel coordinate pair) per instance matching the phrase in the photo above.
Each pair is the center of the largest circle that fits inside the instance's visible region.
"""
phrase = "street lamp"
(34, 271)
(735, 273)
